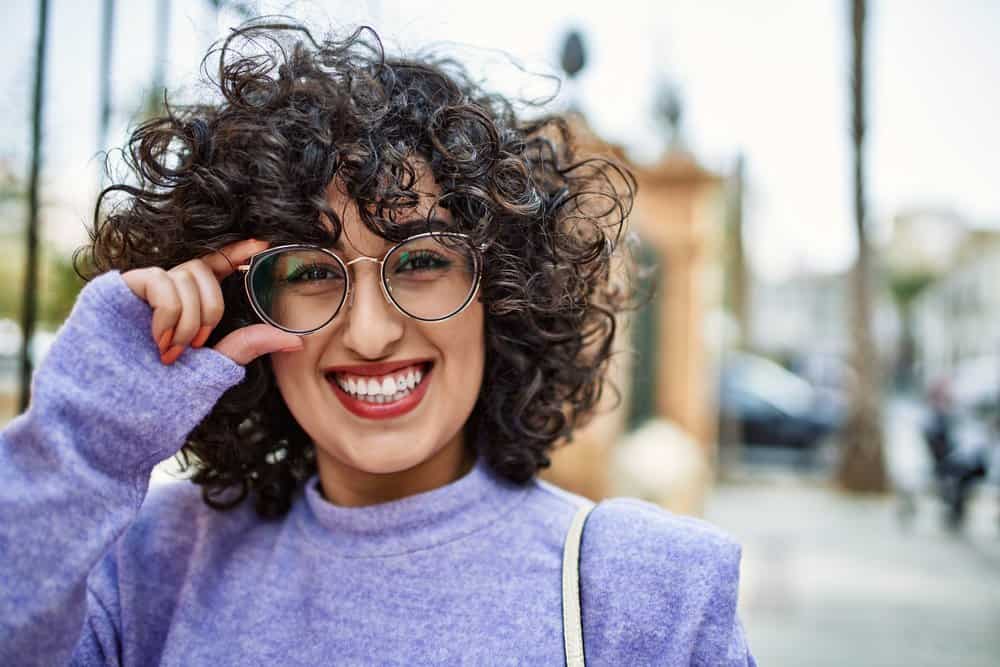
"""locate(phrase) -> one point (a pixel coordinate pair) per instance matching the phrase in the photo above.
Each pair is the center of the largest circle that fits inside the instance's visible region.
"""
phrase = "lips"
(381, 368)
(381, 391)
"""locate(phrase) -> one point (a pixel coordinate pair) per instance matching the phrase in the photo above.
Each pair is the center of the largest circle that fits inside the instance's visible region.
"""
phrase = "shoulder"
(643, 534)
(633, 550)
(628, 531)
(174, 522)
(634, 539)
(174, 548)
(657, 587)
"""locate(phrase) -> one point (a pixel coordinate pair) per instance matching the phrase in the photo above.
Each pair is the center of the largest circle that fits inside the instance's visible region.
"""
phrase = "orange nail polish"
(201, 337)
(171, 355)
(165, 338)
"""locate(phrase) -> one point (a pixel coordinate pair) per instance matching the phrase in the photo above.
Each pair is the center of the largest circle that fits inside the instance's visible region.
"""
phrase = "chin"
(383, 458)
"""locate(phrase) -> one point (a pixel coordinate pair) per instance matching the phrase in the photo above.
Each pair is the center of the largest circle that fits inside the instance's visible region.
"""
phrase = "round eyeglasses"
(300, 288)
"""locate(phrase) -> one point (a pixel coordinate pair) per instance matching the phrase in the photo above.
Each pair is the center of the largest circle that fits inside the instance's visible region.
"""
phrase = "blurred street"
(814, 248)
(833, 579)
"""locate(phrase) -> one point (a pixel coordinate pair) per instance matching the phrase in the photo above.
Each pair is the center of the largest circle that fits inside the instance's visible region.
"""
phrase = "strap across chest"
(572, 626)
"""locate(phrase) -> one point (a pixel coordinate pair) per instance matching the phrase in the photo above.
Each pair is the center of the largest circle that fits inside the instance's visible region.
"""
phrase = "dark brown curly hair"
(292, 114)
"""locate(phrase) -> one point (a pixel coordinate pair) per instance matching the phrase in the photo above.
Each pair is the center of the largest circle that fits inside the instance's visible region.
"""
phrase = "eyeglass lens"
(428, 278)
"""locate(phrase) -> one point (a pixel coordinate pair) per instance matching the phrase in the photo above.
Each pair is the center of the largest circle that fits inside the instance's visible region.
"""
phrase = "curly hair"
(292, 115)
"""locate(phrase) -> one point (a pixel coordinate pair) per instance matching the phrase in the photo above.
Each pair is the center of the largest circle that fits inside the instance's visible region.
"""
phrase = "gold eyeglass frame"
(247, 270)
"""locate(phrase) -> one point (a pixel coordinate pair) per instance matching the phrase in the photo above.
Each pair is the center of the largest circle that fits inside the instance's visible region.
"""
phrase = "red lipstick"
(382, 368)
(381, 410)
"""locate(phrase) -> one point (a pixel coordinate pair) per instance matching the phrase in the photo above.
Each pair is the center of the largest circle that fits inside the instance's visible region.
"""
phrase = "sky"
(767, 79)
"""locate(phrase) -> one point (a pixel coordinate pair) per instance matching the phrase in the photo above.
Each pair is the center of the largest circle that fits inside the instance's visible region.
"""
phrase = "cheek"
(287, 364)
(293, 372)
(463, 346)
(284, 373)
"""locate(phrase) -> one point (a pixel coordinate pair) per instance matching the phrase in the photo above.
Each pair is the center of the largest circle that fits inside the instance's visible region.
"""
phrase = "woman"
(363, 300)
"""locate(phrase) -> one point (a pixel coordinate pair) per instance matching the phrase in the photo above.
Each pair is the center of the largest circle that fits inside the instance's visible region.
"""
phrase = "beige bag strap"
(572, 627)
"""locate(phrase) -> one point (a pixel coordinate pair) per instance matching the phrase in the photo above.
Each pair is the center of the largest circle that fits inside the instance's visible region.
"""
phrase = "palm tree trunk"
(862, 466)
(30, 294)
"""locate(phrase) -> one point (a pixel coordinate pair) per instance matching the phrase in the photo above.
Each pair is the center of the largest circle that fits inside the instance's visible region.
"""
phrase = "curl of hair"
(295, 114)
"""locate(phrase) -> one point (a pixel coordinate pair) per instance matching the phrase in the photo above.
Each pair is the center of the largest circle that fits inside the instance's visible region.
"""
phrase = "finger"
(224, 261)
(161, 295)
(210, 296)
(246, 344)
(189, 321)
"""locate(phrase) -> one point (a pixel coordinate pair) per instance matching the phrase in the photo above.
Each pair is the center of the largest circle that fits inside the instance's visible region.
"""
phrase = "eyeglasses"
(300, 288)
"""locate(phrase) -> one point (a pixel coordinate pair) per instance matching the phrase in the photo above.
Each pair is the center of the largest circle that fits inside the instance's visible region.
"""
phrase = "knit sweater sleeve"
(75, 467)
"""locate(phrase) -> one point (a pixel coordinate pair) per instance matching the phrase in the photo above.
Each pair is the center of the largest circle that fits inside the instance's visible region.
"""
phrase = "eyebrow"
(433, 224)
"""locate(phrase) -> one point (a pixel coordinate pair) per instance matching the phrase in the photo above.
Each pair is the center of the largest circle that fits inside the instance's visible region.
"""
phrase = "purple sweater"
(95, 571)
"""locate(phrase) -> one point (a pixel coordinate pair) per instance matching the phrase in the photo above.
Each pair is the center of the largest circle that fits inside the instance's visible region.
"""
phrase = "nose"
(373, 327)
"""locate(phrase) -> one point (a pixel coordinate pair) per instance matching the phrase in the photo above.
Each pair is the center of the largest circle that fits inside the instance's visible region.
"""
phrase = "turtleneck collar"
(416, 522)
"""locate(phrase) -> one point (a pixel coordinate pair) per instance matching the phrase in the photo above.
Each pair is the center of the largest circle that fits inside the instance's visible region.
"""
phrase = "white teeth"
(385, 389)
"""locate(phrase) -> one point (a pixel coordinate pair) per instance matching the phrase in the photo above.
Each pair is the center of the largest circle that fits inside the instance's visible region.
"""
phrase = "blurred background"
(817, 370)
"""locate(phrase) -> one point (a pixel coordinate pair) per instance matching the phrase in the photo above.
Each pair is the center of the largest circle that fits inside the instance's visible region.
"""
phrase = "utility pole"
(156, 98)
(107, 49)
(30, 294)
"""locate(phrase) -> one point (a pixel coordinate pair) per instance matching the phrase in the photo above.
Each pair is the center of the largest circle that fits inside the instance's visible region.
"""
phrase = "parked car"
(772, 406)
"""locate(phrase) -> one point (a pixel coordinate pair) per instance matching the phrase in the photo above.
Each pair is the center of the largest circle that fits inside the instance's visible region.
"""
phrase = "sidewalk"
(834, 580)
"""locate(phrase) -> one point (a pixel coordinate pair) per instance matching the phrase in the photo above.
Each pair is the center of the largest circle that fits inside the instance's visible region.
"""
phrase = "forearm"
(75, 467)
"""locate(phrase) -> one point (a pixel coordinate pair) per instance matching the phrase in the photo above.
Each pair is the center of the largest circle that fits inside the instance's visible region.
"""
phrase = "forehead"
(423, 185)
(357, 239)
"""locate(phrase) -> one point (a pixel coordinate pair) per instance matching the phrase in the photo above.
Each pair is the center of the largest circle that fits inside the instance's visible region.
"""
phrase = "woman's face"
(369, 447)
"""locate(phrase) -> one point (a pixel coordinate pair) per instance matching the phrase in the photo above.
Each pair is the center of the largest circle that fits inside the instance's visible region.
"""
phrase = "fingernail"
(291, 349)
(171, 355)
(164, 341)
(201, 337)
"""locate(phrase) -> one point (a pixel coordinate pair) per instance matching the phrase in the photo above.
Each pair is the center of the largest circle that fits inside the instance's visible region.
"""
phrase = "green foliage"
(906, 286)
(10, 186)
(59, 287)
(58, 284)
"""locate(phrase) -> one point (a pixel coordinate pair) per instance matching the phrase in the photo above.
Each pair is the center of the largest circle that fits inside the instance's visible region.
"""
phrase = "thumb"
(246, 344)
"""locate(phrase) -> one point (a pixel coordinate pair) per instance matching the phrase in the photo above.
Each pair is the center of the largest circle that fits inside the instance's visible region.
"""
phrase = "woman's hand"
(187, 304)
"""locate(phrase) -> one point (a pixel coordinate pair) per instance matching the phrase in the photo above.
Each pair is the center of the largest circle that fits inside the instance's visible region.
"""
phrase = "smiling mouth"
(384, 389)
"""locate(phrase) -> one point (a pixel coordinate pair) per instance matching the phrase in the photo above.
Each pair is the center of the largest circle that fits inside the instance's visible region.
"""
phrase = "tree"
(862, 466)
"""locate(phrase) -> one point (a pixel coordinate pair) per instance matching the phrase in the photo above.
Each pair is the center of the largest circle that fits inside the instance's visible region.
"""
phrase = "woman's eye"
(313, 273)
(417, 261)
